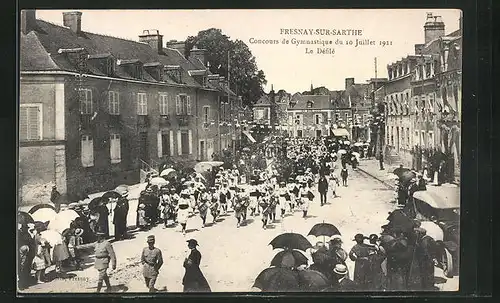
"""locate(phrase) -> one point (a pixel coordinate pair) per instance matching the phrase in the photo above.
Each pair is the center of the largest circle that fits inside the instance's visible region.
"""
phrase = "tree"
(245, 78)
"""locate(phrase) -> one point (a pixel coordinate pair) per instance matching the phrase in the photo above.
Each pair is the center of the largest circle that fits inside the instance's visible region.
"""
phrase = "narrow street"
(232, 257)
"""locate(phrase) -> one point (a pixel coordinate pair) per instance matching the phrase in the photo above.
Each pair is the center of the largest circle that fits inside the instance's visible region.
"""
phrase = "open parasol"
(206, 165)
(111, 195)
(168, 173)
(40, 206)
(276, 279)
(398, 220)
(398, 171)
(291, 241)
(63, 220)
(324, 229)
(158, 181)
(44, 215)
(289, 259)
(312, 280)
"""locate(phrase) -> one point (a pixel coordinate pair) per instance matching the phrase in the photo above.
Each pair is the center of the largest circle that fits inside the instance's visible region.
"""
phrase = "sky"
(286, 66)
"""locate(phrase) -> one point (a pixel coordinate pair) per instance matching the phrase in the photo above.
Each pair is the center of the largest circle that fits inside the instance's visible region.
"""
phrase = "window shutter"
(178, 105)
(190, 138)
(23, 123)
(188, 105)
(179, 143)
(160, 147)
(87, 151)
(160, 103)
(110, 103)
(34, 123)
(171, 142)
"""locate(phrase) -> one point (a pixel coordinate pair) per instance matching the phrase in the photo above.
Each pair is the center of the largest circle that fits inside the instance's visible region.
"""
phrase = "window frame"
(89, 105)
(206, 114)
(40, 121)
(89, 138)
(114, 106)
(142, 104)
(163, 104)
(112, 137)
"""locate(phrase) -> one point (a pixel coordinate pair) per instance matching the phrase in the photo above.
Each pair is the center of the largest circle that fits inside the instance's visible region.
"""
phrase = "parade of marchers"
(399, 257)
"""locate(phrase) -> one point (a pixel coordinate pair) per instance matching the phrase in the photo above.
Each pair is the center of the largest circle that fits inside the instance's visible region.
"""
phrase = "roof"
(33, 55)
(316, 101)
(52, 37)
(263, 101)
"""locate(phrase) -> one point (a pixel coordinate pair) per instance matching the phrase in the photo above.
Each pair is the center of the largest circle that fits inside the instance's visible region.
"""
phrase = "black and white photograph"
(249, 151)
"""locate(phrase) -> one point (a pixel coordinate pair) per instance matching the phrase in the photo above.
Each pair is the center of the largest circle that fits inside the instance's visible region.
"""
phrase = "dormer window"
(77, 57)
(174, 72)
(105, 62)
(133, 67)
(310, 104)
(155, 69)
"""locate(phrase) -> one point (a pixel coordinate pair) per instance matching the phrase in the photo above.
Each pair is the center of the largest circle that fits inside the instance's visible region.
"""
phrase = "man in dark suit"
(345, 284)
(323, 189)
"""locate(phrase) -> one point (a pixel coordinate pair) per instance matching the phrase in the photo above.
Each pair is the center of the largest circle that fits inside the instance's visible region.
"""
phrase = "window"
(184, 140)
(206, 114)
(142, 104)
(431, 139)
(259, 114)
(113, 103)
(165, 144)
(299, 133)
(408, 137)
(110, 67)
(317, 119)
(183, 105)
(163, 103)
(299, 119)
(87, 151)
(422, 138)
(309, 104)
(86, 107)
(30, 122)
(115, 148)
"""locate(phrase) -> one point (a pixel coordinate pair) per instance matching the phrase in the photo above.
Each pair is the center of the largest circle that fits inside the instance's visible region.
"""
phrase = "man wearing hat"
(283, 198)
(152, 261)
(193, 280)
(344, 283)
(359, 254)
(120, 214)
(104, 255)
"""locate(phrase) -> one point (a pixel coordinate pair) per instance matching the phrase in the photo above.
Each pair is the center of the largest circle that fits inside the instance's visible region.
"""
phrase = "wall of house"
(208, 133)
(41, 162)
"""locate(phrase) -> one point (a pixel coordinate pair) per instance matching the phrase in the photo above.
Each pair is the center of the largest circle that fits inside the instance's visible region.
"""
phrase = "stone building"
(95, 109)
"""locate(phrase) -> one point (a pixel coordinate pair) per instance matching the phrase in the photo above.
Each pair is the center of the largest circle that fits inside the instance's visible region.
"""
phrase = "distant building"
(97, 110)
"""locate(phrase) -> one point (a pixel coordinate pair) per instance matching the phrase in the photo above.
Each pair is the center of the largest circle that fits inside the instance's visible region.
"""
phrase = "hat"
(192, 242)
(24, 249)
(336, 238)
(359, 237)
(151, 238)
(78, 232)
(373, 237)
(340, 269)
(142, 205)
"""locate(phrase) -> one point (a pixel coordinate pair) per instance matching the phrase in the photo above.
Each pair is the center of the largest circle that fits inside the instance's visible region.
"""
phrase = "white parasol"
(158, 181)
(358, 144)
(44, 215)
(169, 172)
(63, 220)
(347, 142)
(342, 151)
(206, 165)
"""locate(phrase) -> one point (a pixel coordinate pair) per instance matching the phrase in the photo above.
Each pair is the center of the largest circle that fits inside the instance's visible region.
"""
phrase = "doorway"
(203, 152)
(143, 147)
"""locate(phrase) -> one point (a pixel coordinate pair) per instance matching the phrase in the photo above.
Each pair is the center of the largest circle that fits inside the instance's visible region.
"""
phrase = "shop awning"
(340, 132)
(249, 136)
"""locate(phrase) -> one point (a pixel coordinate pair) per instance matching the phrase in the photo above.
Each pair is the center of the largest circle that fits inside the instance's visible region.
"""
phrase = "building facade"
(96, 109)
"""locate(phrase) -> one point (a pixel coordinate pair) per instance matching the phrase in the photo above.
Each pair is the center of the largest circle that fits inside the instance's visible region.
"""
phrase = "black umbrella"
(324, 229)
(111, 195)
(291, 241)
(398, 220)
(406, 176)
(398, 171)
(39, 206)
(289, 259)
(277, 279)
(24, 218)
(312, 280)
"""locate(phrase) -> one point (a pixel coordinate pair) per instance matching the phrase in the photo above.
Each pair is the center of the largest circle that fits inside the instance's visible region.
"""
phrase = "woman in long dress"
(193, 280)
(183, 212)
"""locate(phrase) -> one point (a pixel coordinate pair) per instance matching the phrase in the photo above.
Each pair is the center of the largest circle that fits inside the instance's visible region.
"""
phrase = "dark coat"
(359, 253)
(120, 217)
(193, 280)
(322, 185)
(102, 223)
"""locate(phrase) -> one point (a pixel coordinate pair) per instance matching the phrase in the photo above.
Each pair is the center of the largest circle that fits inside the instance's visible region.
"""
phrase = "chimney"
(73, 20)
(349, 82)
(199, 54)
(28, 20)
(178, 45)
(433, 28)
(153, 38)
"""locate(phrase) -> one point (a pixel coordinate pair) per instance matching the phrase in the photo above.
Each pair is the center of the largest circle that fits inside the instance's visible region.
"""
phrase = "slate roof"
(39, 51)
(263, 101)
(318, 102)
